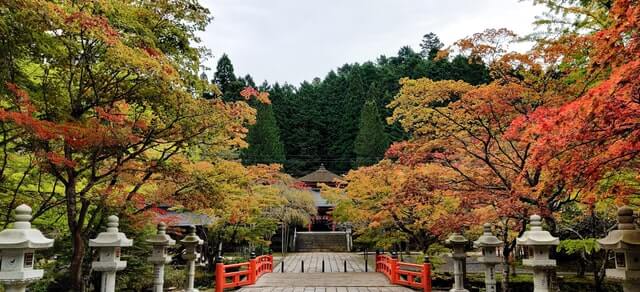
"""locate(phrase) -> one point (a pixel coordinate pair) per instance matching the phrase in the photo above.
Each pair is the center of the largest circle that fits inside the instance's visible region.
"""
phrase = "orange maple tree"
(104, 96)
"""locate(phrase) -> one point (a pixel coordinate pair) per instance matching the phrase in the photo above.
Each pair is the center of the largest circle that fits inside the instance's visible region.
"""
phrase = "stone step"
(321, 241)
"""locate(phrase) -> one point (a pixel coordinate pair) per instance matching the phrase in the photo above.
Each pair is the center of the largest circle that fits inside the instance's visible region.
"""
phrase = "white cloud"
(296, 40)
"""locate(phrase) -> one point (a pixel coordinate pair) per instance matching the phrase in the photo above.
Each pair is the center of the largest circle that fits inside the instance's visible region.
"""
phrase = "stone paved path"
(333, 280)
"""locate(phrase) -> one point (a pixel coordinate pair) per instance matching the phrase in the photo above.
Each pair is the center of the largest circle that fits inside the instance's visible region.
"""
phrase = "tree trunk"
(75, 227)
(599, 271)
(505, 274)
(582, 266)
(78, 251)
(596, 279)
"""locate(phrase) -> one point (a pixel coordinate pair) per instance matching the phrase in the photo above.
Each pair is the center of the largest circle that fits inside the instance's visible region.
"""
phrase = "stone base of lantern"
(541, 280)
(109, 266)
(539, 263)
(490, 278)
(624, 275)
(19, 287)
(13, 285)
(26, 276)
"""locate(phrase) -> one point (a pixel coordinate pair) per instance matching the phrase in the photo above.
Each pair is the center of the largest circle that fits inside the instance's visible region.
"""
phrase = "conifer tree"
(372, 141)
(264, 139)
(227, 81)
(224, 75)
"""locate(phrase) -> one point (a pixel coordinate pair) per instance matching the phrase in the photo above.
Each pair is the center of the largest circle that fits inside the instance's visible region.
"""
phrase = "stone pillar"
(458, 243)
(17, 248)
(159, 256)
(489, 243)
(191, 242)
(625, 243)
(109, 244)
(538, 242)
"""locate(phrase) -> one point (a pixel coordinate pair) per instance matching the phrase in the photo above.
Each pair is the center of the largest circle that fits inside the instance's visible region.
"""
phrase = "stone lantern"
(625, 243)
(109, 244)
(538, 242)
(159, 257)
(191, 242)
(17, 246)
(489, 244)
(458, 243)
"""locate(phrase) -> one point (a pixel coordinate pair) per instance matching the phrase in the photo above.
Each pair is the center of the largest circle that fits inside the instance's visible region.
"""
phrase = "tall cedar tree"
(227, 81)
(371, 141)
(264, 139)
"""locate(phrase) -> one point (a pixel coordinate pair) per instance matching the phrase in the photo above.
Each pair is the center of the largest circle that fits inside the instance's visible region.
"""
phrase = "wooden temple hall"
(323, 221)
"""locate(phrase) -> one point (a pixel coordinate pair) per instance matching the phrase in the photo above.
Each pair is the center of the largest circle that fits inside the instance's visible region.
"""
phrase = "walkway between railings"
(390, 275)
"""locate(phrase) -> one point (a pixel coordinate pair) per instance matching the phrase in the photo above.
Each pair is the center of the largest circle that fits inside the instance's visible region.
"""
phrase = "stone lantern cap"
(192, 238)
(487, 239)
(161, 238)
(111, 237)
(22, 236)
(627, 236)
(456, 239)
(536, 236)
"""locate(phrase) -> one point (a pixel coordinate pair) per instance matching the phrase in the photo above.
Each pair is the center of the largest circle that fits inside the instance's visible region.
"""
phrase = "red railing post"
(220, 280)
(252, 269)
(394, 267)
(426, 275)
(377, 259)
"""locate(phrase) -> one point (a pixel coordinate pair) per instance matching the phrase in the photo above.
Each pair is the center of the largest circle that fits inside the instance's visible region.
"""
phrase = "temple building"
(323, 221)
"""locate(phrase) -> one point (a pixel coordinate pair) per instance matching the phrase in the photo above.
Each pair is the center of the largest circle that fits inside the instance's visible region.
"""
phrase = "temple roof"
(322, 175)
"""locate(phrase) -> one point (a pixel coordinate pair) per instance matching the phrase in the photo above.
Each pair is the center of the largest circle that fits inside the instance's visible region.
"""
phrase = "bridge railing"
(405, 274)
(242, 274)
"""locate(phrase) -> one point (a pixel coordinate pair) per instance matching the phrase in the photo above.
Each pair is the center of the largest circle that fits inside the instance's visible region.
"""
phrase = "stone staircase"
(317, 241)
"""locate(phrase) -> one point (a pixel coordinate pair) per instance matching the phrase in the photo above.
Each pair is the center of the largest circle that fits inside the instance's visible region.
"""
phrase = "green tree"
(227, 81)
(430, 45)
(264, 139)
(319, 118)
(371, 141)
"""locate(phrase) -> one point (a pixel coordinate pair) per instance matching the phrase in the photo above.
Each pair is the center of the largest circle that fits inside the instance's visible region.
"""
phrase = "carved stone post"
(488, 243)
(458, 243)
(191, 242)
(109, 244)
(625, 243)
(538, 242)
(159, 257)
(17, 246)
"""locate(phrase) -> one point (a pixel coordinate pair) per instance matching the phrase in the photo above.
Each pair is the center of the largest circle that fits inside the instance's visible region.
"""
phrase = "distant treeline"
(319, 120)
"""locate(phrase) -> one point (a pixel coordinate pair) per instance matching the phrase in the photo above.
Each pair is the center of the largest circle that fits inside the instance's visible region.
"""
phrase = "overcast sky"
(296, 40)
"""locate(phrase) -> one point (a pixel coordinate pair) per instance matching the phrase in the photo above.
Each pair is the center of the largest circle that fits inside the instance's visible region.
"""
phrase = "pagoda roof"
(322, 175)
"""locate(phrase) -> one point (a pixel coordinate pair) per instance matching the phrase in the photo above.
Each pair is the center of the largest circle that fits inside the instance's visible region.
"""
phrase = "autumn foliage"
(556, 129)
(102, 114)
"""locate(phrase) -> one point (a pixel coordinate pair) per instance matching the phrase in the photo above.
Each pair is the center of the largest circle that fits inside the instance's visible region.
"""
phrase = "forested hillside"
(319, 120)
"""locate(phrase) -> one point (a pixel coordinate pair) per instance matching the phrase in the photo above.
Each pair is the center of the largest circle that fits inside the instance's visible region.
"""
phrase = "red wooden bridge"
(339, 272)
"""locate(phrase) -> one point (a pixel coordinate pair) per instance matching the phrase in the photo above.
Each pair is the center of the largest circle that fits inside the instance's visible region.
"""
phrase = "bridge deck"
(333, 262)
(333, 280)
